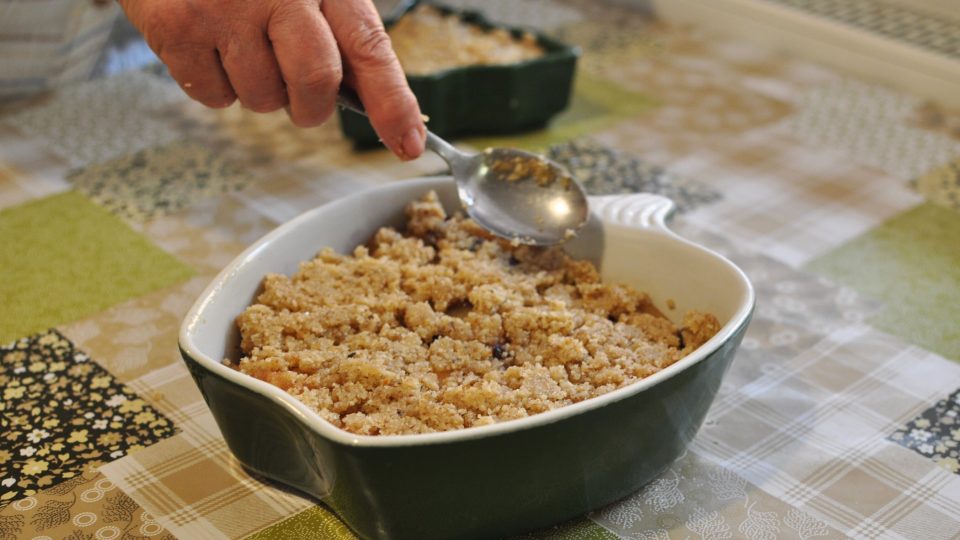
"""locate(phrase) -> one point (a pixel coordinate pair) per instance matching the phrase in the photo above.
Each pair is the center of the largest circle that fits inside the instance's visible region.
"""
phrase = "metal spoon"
(516, 195)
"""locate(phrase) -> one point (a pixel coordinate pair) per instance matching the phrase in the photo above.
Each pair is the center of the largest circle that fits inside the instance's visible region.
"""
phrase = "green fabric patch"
(63, 258)
(595, 105)
(319, 522)
(912, 263)
(316, 522)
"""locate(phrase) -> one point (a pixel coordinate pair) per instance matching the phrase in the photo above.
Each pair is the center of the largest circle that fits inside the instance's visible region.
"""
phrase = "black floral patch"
(62, 412)
(160, 180)
(935, 433)
(605, 171)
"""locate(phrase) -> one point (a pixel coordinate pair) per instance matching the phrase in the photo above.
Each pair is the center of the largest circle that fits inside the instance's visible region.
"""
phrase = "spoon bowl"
(516, 195)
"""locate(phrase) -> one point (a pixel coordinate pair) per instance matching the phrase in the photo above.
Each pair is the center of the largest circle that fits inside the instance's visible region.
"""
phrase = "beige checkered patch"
(813, 433)
(191, 483)
(26, 170)
(780, 198)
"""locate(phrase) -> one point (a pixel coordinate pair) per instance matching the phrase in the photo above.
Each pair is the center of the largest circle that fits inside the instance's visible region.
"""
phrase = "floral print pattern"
(699, 499)
(61, 413)
(935, 433)
(101, 119)
(86, 506)
(872, 129)
(160, 180)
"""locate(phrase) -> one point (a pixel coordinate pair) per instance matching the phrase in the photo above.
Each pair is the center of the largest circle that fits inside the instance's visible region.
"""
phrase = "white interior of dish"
(646, 256)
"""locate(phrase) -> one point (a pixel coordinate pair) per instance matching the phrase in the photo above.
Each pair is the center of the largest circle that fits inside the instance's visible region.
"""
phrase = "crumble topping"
(428, 41)
(445, 326)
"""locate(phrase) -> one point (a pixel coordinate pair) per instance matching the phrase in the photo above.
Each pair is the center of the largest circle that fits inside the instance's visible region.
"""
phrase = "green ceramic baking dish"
(481, 482)
(493, 99)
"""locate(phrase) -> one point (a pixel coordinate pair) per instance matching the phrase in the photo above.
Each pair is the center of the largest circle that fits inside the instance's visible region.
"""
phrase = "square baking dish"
(485, 99)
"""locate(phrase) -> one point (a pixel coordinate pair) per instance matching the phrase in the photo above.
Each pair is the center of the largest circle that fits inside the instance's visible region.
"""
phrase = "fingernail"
(412, 143)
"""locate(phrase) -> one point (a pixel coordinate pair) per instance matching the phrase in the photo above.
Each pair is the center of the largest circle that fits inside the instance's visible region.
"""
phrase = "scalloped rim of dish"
(313, 420)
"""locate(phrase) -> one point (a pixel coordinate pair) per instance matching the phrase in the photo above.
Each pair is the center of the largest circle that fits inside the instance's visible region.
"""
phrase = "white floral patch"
(698, 499)
(870, 124)
(102, 119)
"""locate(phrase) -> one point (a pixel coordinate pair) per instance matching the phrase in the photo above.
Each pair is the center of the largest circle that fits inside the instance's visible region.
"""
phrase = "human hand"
(284, 53)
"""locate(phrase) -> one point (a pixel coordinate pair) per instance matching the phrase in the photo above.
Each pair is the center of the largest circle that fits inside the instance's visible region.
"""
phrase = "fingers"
(309, 61)
(252, 70)
(379, 79)
(200, 74)
(284, 53)
(190, 56)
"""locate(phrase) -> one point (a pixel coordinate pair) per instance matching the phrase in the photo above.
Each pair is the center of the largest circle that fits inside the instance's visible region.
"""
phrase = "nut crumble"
(519, 167)
(444, 326)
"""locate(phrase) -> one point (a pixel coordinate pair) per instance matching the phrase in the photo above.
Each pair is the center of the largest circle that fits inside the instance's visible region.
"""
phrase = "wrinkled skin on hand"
(292, 54)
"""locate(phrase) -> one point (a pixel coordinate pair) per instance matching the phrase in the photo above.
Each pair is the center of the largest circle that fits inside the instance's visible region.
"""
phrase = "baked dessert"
(427, 41)
(443, 326)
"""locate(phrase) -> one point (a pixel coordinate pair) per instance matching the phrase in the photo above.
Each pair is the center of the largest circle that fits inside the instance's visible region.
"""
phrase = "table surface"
(120, 199)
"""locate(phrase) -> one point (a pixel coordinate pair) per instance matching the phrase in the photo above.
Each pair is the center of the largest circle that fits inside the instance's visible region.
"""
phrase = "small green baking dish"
(485, 99)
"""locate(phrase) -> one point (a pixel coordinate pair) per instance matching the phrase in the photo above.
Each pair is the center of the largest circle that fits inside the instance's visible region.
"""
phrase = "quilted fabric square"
(63, 258)
(922, 305)
(61, 413)
(868, 123)
(84, 507)
(157, 181)
(101, 119)
(935, 433)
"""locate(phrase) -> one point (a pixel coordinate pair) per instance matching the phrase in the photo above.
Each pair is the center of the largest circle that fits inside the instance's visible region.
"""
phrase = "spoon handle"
(348, 99)
(445, 150)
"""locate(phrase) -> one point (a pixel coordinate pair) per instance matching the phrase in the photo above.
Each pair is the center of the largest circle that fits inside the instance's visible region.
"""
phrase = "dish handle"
(638, 210)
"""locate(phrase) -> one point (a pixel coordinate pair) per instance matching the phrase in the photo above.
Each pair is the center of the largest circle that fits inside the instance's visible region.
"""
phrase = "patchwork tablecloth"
(120, 199)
